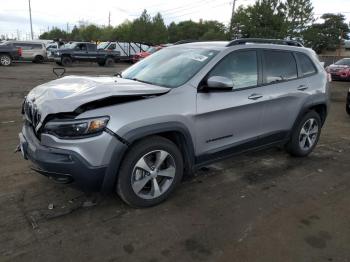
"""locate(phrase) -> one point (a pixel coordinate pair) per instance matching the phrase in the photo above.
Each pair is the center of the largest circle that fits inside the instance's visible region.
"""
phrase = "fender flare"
(133, 135)
(172, 126)
(305, 108)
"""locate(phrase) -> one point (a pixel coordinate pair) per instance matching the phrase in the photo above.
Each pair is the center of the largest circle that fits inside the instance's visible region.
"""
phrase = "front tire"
(305, 135)
(66, 61)
(5, 60)
(150, 172)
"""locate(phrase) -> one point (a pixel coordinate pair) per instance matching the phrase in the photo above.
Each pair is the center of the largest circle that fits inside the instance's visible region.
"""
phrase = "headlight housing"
(77, 128)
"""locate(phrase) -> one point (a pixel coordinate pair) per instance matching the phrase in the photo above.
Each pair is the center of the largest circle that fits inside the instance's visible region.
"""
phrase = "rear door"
(226, 119)
(285, 92)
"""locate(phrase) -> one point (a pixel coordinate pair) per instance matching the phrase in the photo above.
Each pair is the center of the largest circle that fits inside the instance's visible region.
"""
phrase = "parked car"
(183, 107)
(127, 49)
(84, 52)
(31, 50)
(143, 54)
(340, 70)
(8, 53)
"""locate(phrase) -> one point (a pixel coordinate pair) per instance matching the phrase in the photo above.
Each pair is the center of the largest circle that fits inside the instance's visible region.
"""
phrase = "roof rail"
(185, 41)
(264, 41)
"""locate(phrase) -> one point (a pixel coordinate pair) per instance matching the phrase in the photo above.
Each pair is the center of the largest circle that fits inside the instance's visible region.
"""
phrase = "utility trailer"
(127, 49)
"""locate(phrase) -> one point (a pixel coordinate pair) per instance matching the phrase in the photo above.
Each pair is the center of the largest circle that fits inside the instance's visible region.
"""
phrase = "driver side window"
(240, 67)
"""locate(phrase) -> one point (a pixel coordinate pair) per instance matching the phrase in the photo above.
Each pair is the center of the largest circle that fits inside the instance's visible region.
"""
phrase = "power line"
(196, 6)
(177, 16)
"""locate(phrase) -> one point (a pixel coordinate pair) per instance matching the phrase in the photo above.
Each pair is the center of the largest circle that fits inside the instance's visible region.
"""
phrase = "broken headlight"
(78, 128)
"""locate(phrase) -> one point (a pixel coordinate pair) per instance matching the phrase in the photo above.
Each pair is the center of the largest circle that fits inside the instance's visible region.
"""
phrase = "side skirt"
(272, 140)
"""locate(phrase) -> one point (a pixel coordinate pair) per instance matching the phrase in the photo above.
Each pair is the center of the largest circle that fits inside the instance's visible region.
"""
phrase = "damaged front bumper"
(68, 166)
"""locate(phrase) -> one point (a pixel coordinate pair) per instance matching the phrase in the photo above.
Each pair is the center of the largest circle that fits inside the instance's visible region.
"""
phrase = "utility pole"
(67, 28)
(232, 15)
(340, 42)
(109, 19)
(30, 16)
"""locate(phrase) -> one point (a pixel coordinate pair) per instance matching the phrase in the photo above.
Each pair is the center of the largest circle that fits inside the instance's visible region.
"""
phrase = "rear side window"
(240, 67)
(279, 66)
(28, 46)
(306, 65)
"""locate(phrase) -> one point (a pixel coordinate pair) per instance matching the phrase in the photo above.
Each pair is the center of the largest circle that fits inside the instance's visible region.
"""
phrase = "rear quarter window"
(307, 67)
(279, 66)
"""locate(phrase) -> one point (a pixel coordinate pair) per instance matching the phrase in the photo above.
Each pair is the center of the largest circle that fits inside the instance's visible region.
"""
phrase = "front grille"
(31, 113)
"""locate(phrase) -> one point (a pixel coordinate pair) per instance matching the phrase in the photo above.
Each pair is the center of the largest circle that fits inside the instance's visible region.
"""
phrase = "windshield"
(170, 67)
(343, 62)
(69, 46)
(102, 45)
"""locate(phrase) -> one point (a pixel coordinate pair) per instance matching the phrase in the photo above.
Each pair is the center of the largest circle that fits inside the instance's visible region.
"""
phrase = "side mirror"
(219, 83)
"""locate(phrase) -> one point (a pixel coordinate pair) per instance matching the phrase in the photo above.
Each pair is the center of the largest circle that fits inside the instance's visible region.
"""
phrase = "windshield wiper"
(141, 81)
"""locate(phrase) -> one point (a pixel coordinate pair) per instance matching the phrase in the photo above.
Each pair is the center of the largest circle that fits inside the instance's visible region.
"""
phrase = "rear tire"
(150, 172)
(5, 60)
(38, 59)
(109, 62)
(66, 61)
(305, 135)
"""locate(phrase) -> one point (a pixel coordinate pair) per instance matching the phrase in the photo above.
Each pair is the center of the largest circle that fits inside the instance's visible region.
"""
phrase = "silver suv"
(181, 108)
(31, 50)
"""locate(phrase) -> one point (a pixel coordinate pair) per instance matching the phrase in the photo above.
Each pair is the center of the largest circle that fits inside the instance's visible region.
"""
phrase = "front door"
(230, 119)
(81, 52)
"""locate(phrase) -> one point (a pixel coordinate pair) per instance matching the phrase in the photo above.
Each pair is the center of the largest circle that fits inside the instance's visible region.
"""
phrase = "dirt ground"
(261, 206)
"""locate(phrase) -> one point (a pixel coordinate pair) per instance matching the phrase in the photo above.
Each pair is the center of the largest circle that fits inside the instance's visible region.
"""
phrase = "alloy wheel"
(308, 134)
(5, 60)
(153, 174)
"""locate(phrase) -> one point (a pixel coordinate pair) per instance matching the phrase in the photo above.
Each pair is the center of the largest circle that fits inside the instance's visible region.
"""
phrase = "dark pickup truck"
(84, 51)
(8, 53)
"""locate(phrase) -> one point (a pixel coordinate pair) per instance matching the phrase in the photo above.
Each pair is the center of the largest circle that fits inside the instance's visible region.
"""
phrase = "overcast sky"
(14, 15)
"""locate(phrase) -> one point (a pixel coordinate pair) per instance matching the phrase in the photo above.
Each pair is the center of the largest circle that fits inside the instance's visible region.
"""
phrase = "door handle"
(255, 96)
(302, 87)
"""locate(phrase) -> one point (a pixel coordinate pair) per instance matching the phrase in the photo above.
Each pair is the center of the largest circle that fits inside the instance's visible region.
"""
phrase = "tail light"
(20, 51)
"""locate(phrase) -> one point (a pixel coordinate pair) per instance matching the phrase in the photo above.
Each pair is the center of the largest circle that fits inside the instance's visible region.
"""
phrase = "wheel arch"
(320, 108)
(174, 131)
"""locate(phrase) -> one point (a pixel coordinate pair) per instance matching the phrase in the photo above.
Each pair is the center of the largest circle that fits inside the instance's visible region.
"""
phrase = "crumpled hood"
(68, 93)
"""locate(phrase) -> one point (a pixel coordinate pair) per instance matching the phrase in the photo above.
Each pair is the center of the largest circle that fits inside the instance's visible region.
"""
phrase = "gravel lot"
(262, 206)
